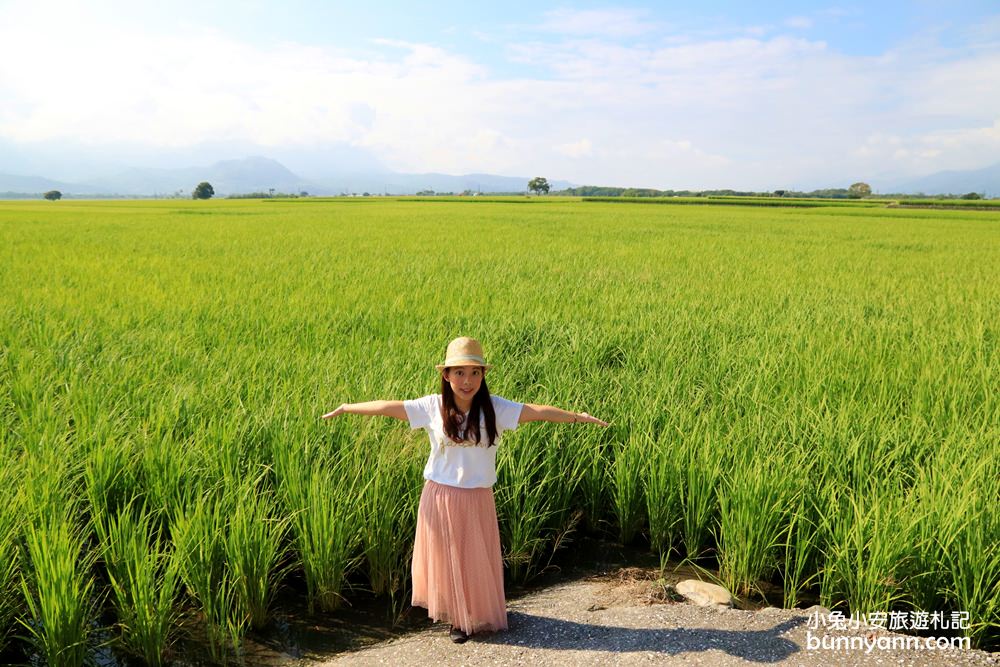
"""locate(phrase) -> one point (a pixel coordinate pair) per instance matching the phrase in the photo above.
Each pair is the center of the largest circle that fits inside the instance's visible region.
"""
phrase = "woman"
(457, 566)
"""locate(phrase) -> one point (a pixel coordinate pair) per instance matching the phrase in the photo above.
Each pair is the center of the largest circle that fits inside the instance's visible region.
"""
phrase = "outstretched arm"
(393, 409)
(547, 413)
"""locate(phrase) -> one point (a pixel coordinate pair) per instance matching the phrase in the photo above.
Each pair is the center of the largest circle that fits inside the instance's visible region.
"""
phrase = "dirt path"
(629, 621)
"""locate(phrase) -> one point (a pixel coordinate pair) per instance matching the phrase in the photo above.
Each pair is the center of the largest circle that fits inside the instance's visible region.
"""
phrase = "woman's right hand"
(339, 411)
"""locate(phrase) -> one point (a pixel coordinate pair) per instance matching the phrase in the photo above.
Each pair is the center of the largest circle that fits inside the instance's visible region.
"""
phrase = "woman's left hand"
(584, 418)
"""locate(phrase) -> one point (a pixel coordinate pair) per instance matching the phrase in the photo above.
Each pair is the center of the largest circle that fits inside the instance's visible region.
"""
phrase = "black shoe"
(457, 635)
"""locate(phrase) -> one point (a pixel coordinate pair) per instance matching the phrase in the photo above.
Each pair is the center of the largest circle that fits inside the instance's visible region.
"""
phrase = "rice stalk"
(867, 550)
(58, 588)
(11, 599)
(199, 535)
(630, 461)
(662, 480)
(255, 548)
(801, 550)
(388, 516)
(144, 578)
(523, 503)
(324, 509)
(754, 501)
(699, 499)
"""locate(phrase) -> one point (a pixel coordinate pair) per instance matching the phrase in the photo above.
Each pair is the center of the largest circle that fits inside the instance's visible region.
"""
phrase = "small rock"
(816, 609)
(705, 594)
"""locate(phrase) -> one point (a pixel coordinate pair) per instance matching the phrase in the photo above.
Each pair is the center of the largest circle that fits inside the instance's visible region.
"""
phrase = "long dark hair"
(452, 416)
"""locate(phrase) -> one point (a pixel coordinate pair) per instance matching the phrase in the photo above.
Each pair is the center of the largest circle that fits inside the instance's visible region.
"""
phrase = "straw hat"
(464, 351)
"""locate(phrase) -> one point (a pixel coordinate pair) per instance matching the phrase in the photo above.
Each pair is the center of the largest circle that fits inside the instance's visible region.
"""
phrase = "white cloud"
(576, 149)
(936, 150)
(782, 110)
(599, 22)
(111, 84)
(799, 22)
(667, 111)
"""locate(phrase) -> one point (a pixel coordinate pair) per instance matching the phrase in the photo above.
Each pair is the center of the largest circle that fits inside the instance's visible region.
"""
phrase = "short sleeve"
(420, 411)
(508, 413)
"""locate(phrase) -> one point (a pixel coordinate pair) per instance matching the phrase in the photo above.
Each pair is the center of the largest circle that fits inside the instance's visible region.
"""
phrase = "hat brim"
(485, 367)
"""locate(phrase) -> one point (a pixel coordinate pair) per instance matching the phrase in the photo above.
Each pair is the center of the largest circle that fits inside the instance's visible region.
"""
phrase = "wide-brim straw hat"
(464, 351)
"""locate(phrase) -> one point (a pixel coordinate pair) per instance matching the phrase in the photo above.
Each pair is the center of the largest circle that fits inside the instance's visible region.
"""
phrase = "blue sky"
(699, 95)
(854, 27)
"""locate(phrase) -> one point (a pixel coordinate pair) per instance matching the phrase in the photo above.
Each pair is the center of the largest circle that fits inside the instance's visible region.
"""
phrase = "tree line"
(858, 190)
(604, 191)
(540, 185)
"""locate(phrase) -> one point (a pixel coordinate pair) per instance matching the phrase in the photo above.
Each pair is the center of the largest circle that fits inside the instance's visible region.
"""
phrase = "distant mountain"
(393, 183)
(986, 180)
(252, 174)
(37, 185)
(260, 174)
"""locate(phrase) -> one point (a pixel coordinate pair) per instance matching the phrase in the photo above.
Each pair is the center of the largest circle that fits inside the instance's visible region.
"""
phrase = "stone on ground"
(705, 594)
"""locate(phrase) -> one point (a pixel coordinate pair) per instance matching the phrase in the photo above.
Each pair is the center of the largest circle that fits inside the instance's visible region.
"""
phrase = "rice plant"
(178, 350)
(523, 507)
(625, 482)
(938, 490)
(170, 473)
(867, 550)
(144, 579)
(699, 495)
(799, 550)
(109, 479)
(11, 600)
(58, 589)
(971, 561)
(322, 502)
(255, 548)
(662, 478)
(565, 467)
(593, 481)
(388, 514)
(754, 502)
(199, 536)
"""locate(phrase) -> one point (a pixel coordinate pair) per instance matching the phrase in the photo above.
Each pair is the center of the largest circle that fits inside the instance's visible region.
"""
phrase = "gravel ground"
(630, 621)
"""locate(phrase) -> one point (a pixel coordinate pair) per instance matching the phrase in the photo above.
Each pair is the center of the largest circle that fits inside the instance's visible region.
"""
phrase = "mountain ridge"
(257, 173)
(261, 174)
(985, 181)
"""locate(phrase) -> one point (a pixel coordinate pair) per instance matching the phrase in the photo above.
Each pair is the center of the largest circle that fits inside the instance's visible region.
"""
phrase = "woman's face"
(465, 382)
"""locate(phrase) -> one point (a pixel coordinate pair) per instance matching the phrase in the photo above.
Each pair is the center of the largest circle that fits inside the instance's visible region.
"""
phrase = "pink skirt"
(457, 566)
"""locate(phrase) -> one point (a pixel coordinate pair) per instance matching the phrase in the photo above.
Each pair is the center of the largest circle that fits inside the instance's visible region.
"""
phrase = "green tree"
(972, 195)
(203, 190)
(53, 195)
(538, 185)
(860, 189)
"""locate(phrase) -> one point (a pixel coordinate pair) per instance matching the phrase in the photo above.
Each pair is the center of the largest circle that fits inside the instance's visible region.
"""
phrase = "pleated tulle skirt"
(457, 566)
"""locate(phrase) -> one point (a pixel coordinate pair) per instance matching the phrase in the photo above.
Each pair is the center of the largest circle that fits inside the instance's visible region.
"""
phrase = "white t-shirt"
(466, 465)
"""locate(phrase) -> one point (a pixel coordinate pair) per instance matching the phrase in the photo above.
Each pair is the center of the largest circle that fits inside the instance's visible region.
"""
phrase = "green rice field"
(803, 400)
